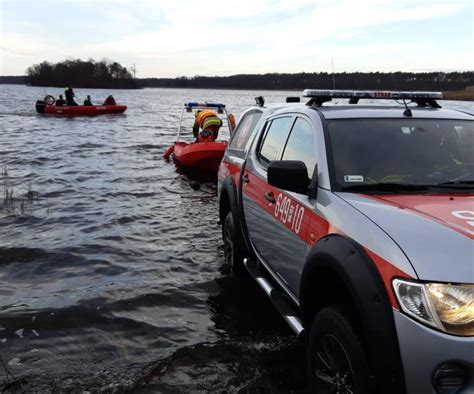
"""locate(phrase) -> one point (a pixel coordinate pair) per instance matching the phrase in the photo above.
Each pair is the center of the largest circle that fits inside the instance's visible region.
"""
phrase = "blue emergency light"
(204, 105)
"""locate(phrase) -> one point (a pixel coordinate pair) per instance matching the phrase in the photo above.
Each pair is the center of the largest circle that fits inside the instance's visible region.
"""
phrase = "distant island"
(456, 85)
(81, 74)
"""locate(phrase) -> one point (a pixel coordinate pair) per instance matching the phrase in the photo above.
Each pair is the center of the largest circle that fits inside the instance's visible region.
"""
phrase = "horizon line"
(417, 71)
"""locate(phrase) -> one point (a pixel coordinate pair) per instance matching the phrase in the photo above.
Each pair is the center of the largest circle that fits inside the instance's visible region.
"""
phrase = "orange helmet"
(202, 115)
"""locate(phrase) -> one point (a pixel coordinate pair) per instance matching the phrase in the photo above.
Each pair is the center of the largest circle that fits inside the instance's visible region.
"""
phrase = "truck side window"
(301, 145)
(274, 139)
(244, 130)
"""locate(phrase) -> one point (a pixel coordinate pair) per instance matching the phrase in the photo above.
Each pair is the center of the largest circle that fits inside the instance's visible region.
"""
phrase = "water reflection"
(257, 352)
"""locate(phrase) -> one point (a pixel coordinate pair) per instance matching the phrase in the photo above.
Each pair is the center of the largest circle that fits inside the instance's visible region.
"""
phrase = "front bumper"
(424, 350)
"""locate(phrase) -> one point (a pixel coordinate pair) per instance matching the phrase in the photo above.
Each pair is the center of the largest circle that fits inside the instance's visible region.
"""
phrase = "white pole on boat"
(228, 122)
(180, 122)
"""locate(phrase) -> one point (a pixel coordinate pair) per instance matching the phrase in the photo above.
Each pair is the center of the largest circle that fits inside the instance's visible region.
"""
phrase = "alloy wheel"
(333, 369)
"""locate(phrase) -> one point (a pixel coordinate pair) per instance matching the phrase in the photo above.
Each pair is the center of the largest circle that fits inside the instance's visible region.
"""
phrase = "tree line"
(81, 74)
(108, 74)
(13, 80)
(431, 81)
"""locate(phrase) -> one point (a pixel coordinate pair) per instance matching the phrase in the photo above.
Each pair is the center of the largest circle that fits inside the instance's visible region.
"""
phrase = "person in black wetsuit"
(60, 101)
(88, 101)
(110, 101)
(70, 96)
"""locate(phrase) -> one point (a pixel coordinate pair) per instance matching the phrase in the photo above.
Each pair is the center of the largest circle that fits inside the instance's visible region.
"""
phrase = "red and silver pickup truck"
(357, 220)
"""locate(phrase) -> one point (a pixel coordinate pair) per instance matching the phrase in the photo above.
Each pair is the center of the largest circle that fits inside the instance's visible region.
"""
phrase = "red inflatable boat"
(48, 108)
(204, 154)
(83, 110)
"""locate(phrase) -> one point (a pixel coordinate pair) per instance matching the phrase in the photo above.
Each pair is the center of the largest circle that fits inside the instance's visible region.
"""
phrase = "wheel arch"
(338, 270)
(228, 199)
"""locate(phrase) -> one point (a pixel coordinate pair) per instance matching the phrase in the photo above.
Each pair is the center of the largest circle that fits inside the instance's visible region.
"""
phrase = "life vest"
(202, 115)
(211, 121)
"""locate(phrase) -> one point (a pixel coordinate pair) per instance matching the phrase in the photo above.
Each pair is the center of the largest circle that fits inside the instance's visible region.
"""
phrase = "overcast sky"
(172, 38)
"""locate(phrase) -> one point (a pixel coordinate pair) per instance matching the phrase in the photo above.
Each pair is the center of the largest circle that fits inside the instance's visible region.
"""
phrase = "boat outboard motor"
(40, 106)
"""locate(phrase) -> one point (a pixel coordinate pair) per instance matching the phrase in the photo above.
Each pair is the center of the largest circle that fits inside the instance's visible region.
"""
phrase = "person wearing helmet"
(88, 101)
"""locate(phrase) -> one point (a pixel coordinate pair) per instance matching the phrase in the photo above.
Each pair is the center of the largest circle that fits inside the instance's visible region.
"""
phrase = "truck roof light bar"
(423, 99)
(204, 105)
(189, 107)
(195, 105)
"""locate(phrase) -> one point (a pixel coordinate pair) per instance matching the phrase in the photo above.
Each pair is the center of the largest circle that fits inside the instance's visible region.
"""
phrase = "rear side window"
(301, 145)
(274, 139)
(466, 139)
(244, 130)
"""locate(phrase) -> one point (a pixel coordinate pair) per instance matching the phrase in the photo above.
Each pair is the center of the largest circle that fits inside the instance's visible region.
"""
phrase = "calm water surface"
(111, 265)
(112, 274)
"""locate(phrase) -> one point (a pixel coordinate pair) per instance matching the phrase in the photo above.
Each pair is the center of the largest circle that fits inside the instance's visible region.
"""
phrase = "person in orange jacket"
(209, 123)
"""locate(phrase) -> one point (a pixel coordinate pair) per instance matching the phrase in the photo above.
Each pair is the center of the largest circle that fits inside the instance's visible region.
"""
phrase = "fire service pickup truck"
(357, 221)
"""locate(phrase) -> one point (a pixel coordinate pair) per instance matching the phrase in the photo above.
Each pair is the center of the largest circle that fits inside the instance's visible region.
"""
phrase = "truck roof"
(383, 111)
(397, 105)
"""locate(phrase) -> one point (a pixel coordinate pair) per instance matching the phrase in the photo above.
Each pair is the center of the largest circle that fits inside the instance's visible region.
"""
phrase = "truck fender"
(337, 261)
(229, 191)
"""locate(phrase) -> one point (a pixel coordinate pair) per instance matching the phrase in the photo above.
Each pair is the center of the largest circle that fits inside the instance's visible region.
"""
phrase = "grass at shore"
(465, 95)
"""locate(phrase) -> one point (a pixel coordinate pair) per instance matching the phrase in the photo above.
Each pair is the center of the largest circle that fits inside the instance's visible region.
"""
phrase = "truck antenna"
(333, 77)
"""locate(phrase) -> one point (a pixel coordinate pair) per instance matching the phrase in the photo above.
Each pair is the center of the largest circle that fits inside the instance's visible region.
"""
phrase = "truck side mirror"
(291, 175)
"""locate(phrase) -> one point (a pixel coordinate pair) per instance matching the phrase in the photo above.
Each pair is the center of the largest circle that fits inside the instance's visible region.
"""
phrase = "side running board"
(283, 306)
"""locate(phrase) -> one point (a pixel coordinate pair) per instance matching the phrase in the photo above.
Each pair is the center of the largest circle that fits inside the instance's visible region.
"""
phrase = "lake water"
(112, 274)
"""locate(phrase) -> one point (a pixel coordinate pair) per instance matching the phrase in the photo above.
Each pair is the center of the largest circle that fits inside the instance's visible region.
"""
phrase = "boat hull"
(205, 156)
(84, 110)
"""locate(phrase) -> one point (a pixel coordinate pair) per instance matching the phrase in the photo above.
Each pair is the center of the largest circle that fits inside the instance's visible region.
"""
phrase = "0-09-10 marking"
(288, 212)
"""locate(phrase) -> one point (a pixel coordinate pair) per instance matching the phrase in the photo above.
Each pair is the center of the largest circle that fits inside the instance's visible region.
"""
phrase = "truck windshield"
(404, 153)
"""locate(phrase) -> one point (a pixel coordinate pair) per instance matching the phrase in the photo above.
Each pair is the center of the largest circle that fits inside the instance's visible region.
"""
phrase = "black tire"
(336, 359)
(234, 251)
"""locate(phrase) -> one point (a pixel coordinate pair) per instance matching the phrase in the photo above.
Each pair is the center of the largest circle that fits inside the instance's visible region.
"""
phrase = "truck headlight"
(447, 307)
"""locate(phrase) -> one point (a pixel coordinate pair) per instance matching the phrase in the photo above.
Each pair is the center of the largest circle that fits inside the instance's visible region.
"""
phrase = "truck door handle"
(269, 197)
(245, 178)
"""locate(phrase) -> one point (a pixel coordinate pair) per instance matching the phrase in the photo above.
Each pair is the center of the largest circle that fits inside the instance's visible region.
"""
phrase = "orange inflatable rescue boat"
(205, 153)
